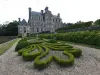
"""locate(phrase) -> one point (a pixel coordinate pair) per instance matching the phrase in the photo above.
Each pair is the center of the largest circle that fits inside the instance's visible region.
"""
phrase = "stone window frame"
(53, 20)
(20, 29)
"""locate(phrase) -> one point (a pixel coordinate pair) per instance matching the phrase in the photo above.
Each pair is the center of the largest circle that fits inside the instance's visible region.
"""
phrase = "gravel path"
(55, 53)
(87, 64)
(5, 43)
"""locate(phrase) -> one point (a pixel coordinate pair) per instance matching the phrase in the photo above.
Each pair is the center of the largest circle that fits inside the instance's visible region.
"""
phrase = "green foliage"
(75, 26)
(74, 52)
(86, 37)
(42, 64)
(52, 41)
(4, 47)
(19, 35)
(24, 49)
(29, 55)
(97, 22)
(22, 44)
(28, 52)
(63, 62)
(10, 29)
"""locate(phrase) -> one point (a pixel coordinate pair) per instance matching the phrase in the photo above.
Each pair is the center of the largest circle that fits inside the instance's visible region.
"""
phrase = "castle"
(38, 22)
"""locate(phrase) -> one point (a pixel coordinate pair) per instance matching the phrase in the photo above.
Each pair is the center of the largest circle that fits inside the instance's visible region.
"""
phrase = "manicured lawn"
(6, 46)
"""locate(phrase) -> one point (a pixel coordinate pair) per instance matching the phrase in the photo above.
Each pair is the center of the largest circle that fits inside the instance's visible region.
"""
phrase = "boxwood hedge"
(29, 55)
(24, 49)
(86, 37)
(22, 44)
(63, 62)
(42, 64)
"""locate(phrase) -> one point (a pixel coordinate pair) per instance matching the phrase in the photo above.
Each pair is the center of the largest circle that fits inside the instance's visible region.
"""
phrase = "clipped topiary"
(75, 51)
(30, 54)
(52, 41)
(24, 49)
(22, 44)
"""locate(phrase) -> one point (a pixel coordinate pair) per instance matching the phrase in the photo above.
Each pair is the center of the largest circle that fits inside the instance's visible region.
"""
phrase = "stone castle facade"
(38, 22)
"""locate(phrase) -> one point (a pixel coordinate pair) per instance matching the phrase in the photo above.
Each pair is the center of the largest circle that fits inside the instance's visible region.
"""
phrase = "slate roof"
(23, 22)
(36, 13)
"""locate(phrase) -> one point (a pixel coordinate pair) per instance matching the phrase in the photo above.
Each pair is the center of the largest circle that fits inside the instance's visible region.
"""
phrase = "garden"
(43, 51)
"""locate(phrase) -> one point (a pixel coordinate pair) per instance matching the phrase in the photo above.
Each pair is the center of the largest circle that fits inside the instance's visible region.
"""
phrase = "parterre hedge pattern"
(39, 52)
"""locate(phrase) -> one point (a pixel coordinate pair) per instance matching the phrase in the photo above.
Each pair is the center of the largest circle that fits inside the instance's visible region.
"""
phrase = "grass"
(6, 38)
(5, 47)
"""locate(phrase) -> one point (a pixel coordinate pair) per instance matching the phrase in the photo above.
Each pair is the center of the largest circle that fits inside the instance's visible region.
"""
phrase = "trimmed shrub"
(22, 44)
(19, 35)
(44, 47)
(24, 49)
(29, 55)
(52, 41)
(75, 52)
(42, 64)
(65, 62)
(86, 37)
(59, 47)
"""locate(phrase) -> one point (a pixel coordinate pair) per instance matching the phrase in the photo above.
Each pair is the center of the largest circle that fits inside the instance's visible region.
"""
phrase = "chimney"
(58, 15)
(46, 9)
(19, 20)
(42, 11)
(30, 10)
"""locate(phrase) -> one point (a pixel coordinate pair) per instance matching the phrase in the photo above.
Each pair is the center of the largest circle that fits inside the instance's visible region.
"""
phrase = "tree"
(97, 22)
(10, 29)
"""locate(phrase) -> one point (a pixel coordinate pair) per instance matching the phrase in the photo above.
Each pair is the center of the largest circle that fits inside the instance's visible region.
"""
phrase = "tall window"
(24, 29)
(37, 30)
(59, 20)
(20, 29)
(53, 20)
(56, 20)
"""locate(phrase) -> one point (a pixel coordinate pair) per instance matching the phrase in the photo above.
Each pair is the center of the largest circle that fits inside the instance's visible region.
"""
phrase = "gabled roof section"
(36, 13)
(23, 22)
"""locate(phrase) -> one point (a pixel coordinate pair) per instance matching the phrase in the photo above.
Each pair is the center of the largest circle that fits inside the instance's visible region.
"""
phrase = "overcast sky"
(70, 10)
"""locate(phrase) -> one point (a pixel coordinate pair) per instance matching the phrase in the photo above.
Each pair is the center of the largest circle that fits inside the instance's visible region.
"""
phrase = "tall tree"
(9, 30)
(97, 22)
